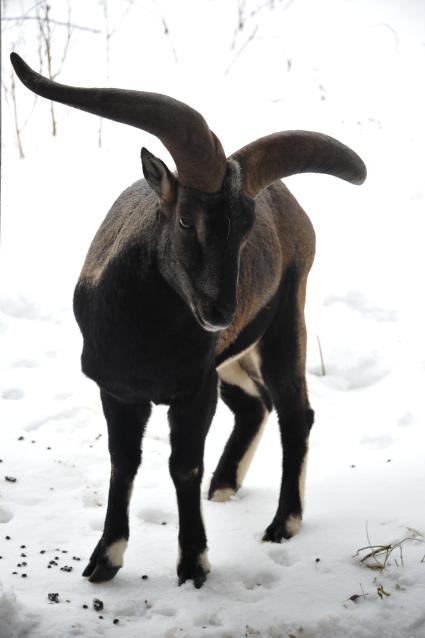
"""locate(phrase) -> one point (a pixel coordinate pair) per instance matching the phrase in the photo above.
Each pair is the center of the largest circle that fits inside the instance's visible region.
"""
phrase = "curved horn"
(290, 152)
(197, 152)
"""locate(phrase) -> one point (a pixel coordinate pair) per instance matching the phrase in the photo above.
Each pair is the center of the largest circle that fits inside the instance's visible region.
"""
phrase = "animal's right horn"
(197, 152)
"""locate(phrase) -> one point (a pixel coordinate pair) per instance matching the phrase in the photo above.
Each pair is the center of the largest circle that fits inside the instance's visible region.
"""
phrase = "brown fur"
(282, 236)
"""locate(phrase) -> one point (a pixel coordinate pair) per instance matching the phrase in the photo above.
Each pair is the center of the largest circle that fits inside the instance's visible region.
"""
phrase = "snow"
(349, 69)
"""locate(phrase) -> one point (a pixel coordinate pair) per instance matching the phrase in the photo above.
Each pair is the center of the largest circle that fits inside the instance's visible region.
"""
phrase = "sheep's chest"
(141, 347)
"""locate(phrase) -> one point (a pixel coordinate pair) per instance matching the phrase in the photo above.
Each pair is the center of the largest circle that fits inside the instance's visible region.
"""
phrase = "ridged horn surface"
(290, 152)
(197, 152)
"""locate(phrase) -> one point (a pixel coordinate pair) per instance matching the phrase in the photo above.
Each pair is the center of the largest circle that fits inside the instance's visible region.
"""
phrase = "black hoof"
(103, 573)
(99, 568)
(279, 530)
(191, 569)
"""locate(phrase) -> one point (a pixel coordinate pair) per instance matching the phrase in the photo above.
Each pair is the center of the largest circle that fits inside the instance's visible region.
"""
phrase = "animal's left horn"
(290, 152)
(197, 152)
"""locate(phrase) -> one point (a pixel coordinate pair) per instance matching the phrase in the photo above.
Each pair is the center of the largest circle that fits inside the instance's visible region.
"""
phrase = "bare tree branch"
(55, 22)
(243, 47)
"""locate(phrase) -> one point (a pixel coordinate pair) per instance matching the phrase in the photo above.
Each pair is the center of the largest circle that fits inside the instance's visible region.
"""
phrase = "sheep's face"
(206, 236)
(203, 235)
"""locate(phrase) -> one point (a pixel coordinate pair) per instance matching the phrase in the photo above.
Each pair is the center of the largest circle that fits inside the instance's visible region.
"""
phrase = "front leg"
(190, 420)
(126, 424)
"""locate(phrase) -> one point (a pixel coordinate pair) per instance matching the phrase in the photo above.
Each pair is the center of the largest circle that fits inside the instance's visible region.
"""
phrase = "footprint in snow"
(259, 580)
(378, 442)
(25, 363)
(12, 393)
(6, 514)
(156, 516)
(406, 419)
(96, 524)
(166, 611)
(207, 620)
(356, 300)
(281, 556)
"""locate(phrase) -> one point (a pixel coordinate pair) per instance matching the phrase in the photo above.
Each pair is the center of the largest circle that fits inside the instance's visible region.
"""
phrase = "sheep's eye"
(185, 223)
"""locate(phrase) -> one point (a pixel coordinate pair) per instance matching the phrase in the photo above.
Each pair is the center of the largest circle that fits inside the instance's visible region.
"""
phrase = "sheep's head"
(203, 235)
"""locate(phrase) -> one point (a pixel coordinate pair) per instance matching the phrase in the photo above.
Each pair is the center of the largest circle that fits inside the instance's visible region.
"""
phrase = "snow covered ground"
(354, 70)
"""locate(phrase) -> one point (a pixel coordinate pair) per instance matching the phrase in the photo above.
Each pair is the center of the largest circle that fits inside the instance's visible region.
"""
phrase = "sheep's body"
(192, 282)
(128, 312)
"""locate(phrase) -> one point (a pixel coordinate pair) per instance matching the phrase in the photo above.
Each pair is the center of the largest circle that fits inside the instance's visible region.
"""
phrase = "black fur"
(249, 413)
(287, 386)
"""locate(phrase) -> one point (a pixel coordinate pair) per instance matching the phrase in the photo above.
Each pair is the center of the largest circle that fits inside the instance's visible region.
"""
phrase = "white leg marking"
(223, 495)
(203, 560)
(115, 552)
(293, 525)
(301, 484)
(246, 460)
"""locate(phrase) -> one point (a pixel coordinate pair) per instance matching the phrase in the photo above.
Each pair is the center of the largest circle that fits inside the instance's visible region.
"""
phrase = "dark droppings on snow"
(85, 606)
(8, 538)
(66, 568)
(21, 438)
(97, 604)
(54, 598)
(116, 621)
(10, 479)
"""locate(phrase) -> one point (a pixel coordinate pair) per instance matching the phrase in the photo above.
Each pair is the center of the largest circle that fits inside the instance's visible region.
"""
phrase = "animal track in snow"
(355, 374)
(263, 578)
(165, 611)
(406, 419)
(25, 363)
(96, 524)
(156, 516)
(6, 514)
(207, 620)
(356, 300)
(378, 442)
(12, 393)
(281, 556)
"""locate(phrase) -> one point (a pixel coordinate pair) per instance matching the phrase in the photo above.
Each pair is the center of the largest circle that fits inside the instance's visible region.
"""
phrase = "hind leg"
(242, 390)
(283, 351)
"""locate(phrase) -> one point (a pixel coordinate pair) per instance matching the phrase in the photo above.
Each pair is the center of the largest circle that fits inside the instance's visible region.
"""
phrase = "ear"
(159, 177)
